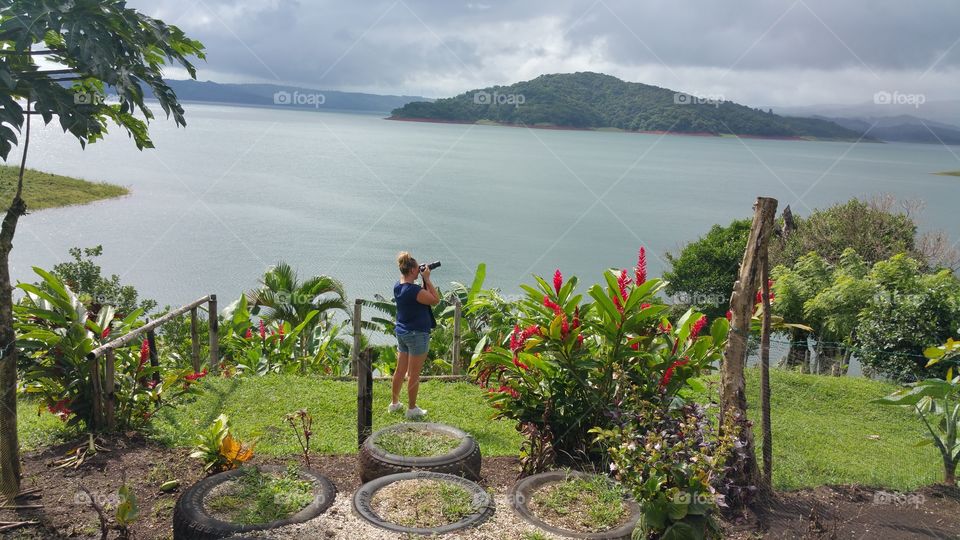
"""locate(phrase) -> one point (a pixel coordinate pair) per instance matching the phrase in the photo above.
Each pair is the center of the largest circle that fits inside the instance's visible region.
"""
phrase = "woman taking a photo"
(414, 323)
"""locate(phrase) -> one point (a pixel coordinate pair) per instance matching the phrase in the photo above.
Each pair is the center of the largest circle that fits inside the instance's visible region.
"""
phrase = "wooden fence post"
(455, 361)
(93, 366)
(109, 387)
(733, 382)
(194, 340)
(154, 360)
(765, 371)
(364, 396)
(214, 332)
(357, 328)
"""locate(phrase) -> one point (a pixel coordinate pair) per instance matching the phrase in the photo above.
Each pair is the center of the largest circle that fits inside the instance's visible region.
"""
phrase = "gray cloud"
(761, 52)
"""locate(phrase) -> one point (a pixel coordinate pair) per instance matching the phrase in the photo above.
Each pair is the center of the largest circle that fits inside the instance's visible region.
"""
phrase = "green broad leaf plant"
(937, 403)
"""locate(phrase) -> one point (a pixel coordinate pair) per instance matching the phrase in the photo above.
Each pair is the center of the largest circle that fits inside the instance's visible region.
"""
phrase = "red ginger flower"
(529, 331)
(105, 333)
(144, 354)
(280, 332)
(504, 389)
(665, 327)
(698, 326)
(60, 409)
(623, 282)
(729, 315)
(196, 376)
(518, 363)
(557, 281)
(576, 317)
(263, 330)
(641, 270)
(515, 340)
(668, 374)
(616, 302)
(249, 333)
(644, 306)
(552, 305)
(564, 326)
(579, 339)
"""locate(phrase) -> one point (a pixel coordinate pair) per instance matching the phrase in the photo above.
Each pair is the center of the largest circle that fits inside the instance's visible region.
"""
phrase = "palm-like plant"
(285, 299)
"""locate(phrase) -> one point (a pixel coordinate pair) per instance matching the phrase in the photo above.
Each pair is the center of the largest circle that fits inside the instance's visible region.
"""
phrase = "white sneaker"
(394, 407)
(416, 413)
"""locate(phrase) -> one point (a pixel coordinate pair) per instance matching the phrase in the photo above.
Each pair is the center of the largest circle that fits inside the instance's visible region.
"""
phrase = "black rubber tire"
(482, 503)
(519, 497)
(464, 460)
(192, 522)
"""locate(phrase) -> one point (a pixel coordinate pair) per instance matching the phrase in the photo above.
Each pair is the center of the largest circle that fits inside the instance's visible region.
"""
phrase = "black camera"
(431, 266)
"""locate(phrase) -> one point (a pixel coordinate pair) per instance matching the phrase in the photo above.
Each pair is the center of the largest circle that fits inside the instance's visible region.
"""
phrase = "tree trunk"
(799, 352)
(9, 445)
(733, 410)
(949, 471)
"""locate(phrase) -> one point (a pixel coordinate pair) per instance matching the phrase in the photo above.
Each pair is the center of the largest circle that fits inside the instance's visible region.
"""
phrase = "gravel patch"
(340, 522)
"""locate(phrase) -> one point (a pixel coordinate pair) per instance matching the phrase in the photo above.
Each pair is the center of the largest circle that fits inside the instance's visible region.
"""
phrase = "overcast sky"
(756, 52)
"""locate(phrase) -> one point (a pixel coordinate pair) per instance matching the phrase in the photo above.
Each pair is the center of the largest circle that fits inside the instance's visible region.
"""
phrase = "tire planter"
(192, 521)
(521, 494)
(482, 503)
(464, 460)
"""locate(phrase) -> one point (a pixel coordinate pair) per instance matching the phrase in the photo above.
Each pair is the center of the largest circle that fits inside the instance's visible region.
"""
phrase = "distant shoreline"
(607, 130)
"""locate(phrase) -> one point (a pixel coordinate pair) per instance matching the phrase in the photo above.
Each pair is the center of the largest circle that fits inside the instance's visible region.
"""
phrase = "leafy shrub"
(704, 271)
(84, 278)
(55, 332)
(275, 347)
(571, 365)
(672, 462)
(909, 310)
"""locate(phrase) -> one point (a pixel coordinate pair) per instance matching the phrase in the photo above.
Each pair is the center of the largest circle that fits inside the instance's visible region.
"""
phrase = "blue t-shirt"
(411, 315)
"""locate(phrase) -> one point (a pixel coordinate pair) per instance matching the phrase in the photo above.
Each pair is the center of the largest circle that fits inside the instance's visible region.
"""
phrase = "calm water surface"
(241, 188)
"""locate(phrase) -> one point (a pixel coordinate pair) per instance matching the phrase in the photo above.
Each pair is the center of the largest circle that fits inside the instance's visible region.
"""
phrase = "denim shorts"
(413, 342)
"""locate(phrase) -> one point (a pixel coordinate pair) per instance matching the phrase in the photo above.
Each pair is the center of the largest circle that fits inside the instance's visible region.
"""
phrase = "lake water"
(241, 188)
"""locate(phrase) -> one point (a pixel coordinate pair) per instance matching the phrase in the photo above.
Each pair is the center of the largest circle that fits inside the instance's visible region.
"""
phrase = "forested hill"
(594, 100)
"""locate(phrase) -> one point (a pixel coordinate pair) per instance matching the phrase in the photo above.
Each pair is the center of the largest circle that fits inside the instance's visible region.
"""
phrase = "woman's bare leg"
(413, 378)
(399, 374)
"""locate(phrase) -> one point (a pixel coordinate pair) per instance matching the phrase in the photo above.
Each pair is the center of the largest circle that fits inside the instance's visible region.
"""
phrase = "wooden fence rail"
(104, 400)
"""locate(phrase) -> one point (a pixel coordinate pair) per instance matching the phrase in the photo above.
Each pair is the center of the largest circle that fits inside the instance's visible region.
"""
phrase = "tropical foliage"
(283, 298)
(701, 275)
(937, 403)
(884, 314)
(572, 365)
(56, 332)
(219, 450)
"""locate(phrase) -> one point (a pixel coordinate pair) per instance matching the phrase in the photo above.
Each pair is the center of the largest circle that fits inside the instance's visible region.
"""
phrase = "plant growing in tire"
(576, 505)
(419, 446)
(423, 503)
(250, 498)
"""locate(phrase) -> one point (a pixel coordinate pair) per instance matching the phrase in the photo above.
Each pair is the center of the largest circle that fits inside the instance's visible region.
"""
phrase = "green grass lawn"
(822, 426)
(44, 190)
(256, 407)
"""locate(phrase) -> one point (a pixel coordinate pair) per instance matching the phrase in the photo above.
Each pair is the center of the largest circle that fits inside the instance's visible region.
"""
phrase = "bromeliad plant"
(572, 365)
(937, 403)
(56, 331)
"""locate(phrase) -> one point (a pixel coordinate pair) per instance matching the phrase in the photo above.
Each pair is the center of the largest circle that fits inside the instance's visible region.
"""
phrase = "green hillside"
(595, 101)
